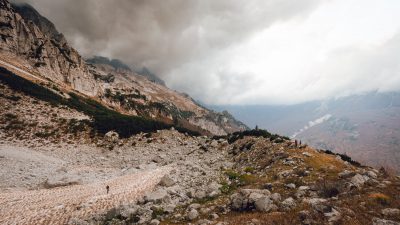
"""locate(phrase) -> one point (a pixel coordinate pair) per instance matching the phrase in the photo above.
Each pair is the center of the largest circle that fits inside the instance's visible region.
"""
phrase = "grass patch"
(344, 157)
(249, 169)
(227, 188)
(240, 179)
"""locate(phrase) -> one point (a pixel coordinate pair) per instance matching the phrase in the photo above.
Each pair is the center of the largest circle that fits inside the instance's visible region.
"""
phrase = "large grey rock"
(213, 189)
(346, 174)
(239, 202)
(158, 196)
(358, 180)
(276, 197)
(253, 197)
(154, 222)
(166, 181)
(291, 186)
(377, 221)
(288, 204)
(245, 199)
(144, 215)
(372, 174)
(333, 216)
(314, 201)
(111, 136)
(391, 212)
(263, 204)
(192, 214)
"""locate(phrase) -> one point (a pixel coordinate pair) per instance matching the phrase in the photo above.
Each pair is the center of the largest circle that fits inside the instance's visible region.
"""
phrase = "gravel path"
(59, 205)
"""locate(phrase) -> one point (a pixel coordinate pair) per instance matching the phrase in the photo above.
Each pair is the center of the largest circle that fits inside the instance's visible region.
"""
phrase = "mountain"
(32, 47)
(366, 126)
(96, 143)
(115, 63)
(150, 76)
(118, 64)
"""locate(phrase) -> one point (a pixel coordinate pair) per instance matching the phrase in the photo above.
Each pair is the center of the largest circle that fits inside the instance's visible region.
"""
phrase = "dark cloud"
(167, 34)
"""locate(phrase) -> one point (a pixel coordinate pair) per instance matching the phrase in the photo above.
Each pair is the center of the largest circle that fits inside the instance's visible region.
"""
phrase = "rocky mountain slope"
(48, 152)
(31, 43)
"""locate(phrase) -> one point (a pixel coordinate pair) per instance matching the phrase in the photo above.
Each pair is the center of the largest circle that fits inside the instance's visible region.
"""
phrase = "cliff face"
(29, 37)
(49, 53)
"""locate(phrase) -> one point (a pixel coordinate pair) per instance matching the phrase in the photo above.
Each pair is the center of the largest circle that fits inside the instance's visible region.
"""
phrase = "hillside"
(49, 152)
(32, 44)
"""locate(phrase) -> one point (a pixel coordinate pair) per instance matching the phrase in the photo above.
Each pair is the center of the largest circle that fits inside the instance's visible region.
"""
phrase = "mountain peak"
(115, 63)
(28, 13)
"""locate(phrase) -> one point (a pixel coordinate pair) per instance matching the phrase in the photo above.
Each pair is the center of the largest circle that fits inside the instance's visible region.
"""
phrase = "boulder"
(377, 221)
(158, 196)
(276, 197)
(304, 188)
(358, 180)
(213, 189)
(346, 174)
(314, 201)
(372, 174)
(154, 222)
(288, 204)
(391, 212)
(239, 202)
(111, 136)
(263, 204)
(166, 181)
(245, 199)
(333, 216)
(192, 214)
(291, 186)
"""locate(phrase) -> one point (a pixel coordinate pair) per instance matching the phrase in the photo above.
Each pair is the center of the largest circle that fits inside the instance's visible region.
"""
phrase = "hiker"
(300, 143)
(108, 188)
(295, 143)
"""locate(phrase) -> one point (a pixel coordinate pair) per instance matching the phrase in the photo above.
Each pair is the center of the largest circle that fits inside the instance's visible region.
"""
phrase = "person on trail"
(107, 188)
(300, 143)
(295, 143)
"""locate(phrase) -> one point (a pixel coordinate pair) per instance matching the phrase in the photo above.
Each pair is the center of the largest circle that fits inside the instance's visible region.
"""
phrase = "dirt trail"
(59, 205)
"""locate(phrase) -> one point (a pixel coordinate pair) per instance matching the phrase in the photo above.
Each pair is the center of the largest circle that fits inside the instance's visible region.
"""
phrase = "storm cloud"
(242, 52)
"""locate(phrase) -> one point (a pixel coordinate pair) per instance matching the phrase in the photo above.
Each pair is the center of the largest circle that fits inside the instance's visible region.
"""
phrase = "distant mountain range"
(366, 127)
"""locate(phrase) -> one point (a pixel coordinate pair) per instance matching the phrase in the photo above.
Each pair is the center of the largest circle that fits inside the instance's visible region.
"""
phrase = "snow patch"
(312, 124)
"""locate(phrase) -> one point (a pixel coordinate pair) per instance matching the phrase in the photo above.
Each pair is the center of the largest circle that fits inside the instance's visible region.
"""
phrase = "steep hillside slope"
(31, 43)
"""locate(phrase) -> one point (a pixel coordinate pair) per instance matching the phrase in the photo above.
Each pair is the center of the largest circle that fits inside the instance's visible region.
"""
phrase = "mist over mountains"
(366, 127)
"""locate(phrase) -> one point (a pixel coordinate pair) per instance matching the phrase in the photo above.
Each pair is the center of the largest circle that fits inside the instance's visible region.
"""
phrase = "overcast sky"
(243, 52)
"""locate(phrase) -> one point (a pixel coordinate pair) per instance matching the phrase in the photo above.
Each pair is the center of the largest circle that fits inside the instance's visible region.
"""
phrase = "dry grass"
(380, 198)
(275, 218)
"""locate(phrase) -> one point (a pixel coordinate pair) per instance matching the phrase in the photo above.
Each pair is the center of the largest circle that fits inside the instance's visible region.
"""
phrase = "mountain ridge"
(26, 46)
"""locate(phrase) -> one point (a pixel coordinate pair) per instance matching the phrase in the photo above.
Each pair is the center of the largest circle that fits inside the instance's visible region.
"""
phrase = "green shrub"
(227, 188)
(249, 169)
(254, 133)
